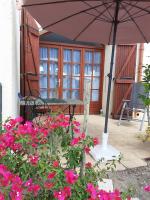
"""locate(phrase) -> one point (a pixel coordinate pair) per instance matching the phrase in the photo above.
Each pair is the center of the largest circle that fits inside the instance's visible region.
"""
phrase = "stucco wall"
(108, 50)
(9, 57)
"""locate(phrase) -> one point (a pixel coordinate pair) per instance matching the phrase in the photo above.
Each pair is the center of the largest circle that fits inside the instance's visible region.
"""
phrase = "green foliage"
(146, 97)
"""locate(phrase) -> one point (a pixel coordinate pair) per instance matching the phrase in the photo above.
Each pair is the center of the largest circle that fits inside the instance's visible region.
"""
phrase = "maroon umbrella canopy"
(100, 21)
(92, 20)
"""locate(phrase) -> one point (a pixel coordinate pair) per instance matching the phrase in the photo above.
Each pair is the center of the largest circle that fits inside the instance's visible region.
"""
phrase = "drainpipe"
(141, 52)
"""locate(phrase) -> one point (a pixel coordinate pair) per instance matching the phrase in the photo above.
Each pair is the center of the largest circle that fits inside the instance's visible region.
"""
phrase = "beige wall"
(9, 57)
(108, 49)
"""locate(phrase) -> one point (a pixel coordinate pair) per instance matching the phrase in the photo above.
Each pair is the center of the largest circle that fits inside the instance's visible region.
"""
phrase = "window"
(49, 72)
(92, 72)
(71, 74)
(63, 71)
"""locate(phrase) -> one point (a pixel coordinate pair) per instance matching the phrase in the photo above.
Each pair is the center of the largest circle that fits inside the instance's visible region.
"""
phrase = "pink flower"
(35, 188)
(55, 163)
(17, 180)
(28, 183)
(8, 139)
(87, 150)
(19, 119)
(51, 175)
(83, 135)
(88, 165)
(33, 159)
(147, 188)
(76, 123)
(16, 147)
(92, 190)
(60, 195)
(95, 141)
(16, 191)
(76, 130)
(48, 185)
(2, 196)
(67, 190)
(75, 141)
(71, 177)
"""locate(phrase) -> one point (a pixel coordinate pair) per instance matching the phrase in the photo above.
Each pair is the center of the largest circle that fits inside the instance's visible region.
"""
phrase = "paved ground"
(123, 138)
(133, 171)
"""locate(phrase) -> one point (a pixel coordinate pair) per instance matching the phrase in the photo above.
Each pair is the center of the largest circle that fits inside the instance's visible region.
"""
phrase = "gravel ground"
(135, 177)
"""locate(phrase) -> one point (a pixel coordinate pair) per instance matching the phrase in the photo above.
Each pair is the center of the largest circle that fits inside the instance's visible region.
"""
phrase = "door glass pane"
(88, 70)
(76, 56)
(95, 84)
(53, 68)
(43, 68)
(67, 55)
(75, 94)
(43, 54)
(76, 70)
(97, 57)
(66, 82)
(53, 54)
(66, 94)
(43, 94)
(88, 57)
(96, 71)
(95, 95)
(75, 82)
(53, 82)
(67, 69)
(87, 79)
(53, 94)
(43, 81)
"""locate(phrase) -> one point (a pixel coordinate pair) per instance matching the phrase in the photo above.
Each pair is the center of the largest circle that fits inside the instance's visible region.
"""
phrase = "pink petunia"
(28, 183)
(51, 175)
(71, 177)
(33, 159)
(75, 141)
(147, 188)
(95, 141)
(55, 163)
(87, 150)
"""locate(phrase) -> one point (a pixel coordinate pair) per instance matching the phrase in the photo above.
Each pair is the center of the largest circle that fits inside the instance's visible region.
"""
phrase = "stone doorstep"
(107, 185)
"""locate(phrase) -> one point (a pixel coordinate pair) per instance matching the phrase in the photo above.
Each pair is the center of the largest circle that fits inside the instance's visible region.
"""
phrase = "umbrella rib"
(65, 18)
(135, 15)
(140, 8)
(100, 18)
(54, 2)
(132, 19)
(96, 9)
(89, 24)
(128, 19)
(109, 12)
(122, 18)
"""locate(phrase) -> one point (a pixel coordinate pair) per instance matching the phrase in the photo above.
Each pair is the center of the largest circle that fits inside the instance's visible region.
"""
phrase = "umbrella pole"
(104, 150)
(115, 25)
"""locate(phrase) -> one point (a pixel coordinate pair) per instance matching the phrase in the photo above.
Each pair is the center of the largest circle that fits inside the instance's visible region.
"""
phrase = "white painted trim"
(9, 57)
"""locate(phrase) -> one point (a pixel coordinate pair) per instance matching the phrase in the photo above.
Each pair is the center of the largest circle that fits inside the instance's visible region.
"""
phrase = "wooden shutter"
(29, 54)
(124, 76)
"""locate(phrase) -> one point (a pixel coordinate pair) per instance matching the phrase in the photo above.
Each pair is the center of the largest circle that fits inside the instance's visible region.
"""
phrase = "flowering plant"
(46, 162)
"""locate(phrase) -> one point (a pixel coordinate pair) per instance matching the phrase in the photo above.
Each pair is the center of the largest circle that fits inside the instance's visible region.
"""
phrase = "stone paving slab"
(123, 137)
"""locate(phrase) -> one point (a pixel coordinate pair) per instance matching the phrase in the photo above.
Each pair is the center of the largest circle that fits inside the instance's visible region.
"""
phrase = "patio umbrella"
(101, 21)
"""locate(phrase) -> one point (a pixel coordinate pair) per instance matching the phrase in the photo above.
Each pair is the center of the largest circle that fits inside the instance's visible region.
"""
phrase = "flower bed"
(46, 162)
